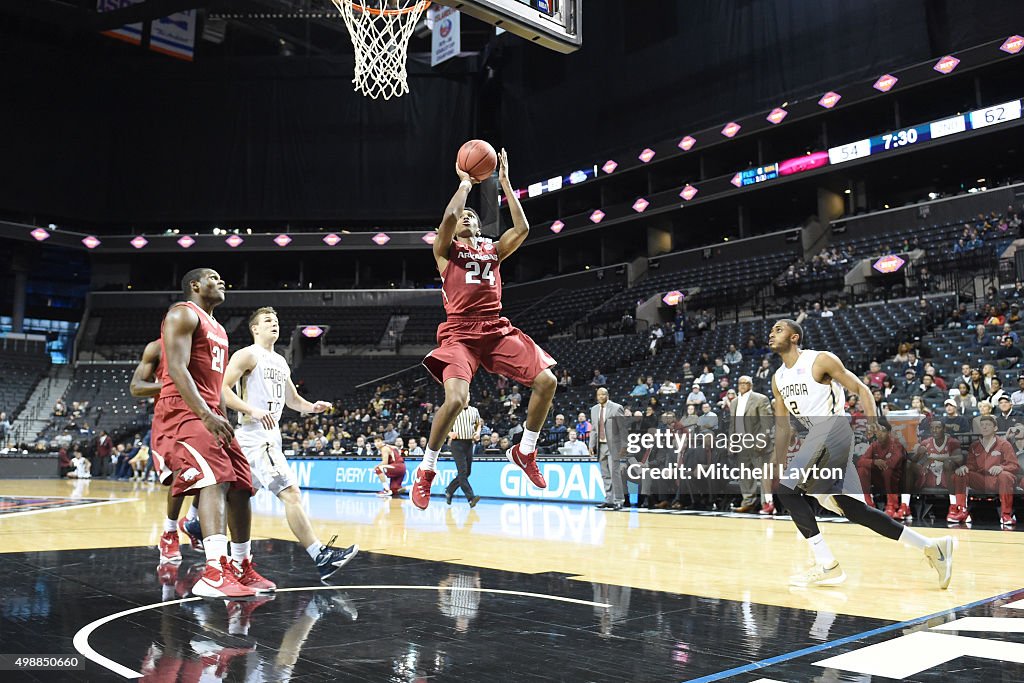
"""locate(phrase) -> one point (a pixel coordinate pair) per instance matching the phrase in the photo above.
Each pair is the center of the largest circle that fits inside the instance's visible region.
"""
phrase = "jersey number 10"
(475, 275)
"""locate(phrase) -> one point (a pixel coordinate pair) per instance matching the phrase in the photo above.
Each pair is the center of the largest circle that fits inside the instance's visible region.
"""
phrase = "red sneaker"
(248, 576)
(958, 515)
(1007, 520)
(240, 614)
(421, 488)
(903, 513)
(529, 464)
(767, 509)
(220, 581)
(170, 551)
(890, 511)
(167, 574)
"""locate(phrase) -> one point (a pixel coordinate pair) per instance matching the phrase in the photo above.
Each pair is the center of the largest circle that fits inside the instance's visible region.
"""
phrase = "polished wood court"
(730, 558)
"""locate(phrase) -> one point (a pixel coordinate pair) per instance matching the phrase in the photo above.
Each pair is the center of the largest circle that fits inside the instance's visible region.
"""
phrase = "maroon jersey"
(394, 455)
(471, 284)
(207, 362)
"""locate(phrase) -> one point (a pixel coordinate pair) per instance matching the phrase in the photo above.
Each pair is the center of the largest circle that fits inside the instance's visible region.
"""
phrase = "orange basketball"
(478, 159)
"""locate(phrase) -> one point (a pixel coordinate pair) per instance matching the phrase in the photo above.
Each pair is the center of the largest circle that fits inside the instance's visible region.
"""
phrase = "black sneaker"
(448, 497)
(331, 559)
(473, 501)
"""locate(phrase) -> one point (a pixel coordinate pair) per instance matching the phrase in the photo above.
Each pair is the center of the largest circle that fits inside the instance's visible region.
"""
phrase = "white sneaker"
(940, 557)
(819, 575)
(384, 493)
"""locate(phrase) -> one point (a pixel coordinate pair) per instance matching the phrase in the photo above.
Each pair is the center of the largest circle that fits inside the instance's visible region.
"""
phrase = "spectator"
(657, 334)
(101, 460)
(390, 434)
(1008, 354)
(640, 389)
(977, 387)
(763, 376)
(696, 396)
(996, 388)
(991, 466)
(668, 387)
(706, 377)
(5, 429)
(875, 375)
(984, 410)
(1006, 415)
(913, 363)
(953, 421)
(688, 375)
(930, 393)
(733, 356)
(720, 369)
(708, 420)
(690, 418)
(574, 446)
(557, 433)
(1017, 397)
(929, 369)
(583, 427)
(1008, 331)
(981, 338)
(59, 409)
(494, 441)
(599, 379)
(564, 379)
(935, 458)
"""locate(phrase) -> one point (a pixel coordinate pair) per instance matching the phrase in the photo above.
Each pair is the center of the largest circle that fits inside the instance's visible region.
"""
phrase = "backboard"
(554, 24)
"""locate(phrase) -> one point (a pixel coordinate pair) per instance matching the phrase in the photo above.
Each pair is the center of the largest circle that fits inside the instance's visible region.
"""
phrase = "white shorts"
(263, 450)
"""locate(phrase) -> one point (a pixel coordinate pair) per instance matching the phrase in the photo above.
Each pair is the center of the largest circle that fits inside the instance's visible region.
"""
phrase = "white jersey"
(809, 401)
(265, 386)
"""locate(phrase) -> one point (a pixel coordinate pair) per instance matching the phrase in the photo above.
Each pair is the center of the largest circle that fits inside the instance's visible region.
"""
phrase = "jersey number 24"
(475, 275)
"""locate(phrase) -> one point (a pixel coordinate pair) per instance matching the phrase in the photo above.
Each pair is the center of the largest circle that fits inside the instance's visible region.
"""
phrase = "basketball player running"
(476, 335)
(146, 384)
(266, 387)
(191, 432)
(809, 386)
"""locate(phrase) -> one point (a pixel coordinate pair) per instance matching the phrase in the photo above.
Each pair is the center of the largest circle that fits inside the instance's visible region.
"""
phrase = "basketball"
(478, 159)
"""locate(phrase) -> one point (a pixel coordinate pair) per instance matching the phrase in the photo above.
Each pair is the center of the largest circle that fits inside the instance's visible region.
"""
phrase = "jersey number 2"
(217, 362)
(475, 275)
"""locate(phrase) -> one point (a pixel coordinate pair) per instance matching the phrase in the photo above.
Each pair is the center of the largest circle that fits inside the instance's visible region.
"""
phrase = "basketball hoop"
(380, 31)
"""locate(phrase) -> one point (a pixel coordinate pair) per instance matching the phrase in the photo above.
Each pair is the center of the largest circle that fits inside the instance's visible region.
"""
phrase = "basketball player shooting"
(265, 381)
(809, 387)
(191, 432)
(475, 334)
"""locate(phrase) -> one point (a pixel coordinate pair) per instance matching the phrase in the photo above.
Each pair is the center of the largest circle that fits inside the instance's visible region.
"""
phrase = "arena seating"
(111, 407)
(21, 373)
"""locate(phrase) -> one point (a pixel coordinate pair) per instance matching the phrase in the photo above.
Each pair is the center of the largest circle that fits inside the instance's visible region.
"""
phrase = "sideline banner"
(576, 482)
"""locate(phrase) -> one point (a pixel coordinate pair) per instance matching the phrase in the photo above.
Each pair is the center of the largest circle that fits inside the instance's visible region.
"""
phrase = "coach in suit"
(607, 441)
(751, 413)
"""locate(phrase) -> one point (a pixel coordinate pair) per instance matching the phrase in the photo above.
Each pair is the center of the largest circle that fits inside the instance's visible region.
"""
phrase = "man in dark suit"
(607, 441)
(751, 413)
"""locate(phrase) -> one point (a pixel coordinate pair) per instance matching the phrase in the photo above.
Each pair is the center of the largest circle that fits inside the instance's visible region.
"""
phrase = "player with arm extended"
(475, 334)
(146, 383)
(809, 387)
(265, 387)
(192, 433)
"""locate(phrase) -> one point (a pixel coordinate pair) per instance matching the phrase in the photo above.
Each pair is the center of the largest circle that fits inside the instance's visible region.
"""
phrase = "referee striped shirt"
(465, 423)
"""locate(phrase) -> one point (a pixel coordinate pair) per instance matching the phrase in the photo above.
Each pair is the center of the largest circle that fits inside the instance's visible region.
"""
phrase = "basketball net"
(380, 31)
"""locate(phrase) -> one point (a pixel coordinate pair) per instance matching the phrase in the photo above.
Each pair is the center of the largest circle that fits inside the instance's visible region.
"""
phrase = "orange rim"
(419, 6)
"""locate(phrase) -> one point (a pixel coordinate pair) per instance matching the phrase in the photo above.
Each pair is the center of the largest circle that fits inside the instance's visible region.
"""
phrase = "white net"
(380, 31)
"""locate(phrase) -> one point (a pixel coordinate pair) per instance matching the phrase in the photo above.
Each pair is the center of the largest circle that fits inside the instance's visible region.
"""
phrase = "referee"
(464, 433)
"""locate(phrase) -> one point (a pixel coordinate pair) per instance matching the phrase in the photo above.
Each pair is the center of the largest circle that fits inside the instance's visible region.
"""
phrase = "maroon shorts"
(469, 343)
(395, 475)
(193, 453)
